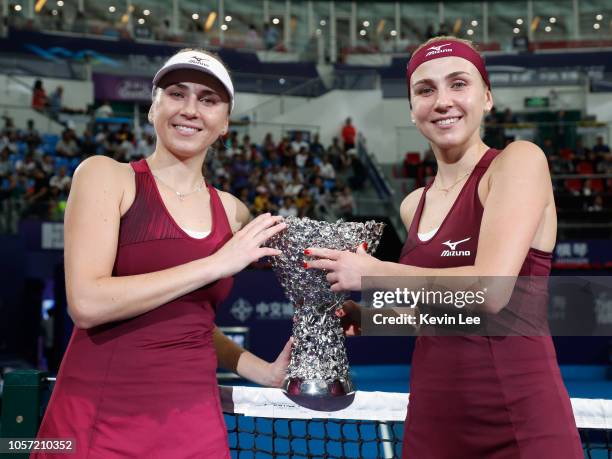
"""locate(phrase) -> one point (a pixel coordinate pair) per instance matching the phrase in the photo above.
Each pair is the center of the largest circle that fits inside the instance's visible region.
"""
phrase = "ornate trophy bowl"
(318, 366)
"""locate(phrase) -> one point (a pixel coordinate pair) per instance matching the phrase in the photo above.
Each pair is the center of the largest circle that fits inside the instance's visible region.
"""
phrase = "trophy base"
(318, 387)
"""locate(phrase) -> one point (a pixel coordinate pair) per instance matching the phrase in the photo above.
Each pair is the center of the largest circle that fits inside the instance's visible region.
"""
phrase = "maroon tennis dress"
(483, 397)
(146, 387)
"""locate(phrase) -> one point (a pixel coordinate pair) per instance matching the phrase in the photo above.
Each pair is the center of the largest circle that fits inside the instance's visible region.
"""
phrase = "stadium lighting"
(596, 26)
(54, 12)
(366, 23)
(223, 27)
(516, 30)
(60, 3)
(195, 16)
(319, 31)
(275, 21)
(228, 18)
(112, 9)
(323, 22)
(39, 5)
(393, 33)
(141, 21)
(547, 28)
(210, 20)
(17, 7)
(519, 21)
(470, 32)
(146, 12)
(474, 23)
(362, 32)
(599, 17)
(281, 81)
(552, 20)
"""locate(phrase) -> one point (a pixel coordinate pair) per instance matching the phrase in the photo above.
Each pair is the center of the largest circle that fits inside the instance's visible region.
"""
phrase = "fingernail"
(306, 252)
(305, 265)
(365, 246)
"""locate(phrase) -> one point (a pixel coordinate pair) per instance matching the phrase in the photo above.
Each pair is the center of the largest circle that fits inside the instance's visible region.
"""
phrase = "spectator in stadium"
(61, 181)
(39, 96)
(495, 212)
(55, 101)
(345, 203)
(298, 142)
(252, 38)
(5, 163)
(288, 208)
(600, 146)
(316, 147)
(105, 110)
(349, 134)
(67, 145)
(150, 249)
(271, 36)
(48, 165)
(31, 134)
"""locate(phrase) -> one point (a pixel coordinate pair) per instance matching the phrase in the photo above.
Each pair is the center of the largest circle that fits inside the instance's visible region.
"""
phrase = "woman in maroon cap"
(486, 213)
(150, 251)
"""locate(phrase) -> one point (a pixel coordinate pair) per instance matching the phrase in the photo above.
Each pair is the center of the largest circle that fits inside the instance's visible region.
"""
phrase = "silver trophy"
(318, 366)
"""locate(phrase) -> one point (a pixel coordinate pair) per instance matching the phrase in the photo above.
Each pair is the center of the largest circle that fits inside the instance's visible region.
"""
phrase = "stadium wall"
(380, 120)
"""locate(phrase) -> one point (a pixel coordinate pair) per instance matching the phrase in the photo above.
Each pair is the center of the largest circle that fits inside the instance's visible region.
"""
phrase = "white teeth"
(447, 121)
(185, 128)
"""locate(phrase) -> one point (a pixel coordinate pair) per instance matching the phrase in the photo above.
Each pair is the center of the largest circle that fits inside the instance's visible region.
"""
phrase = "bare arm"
(519, 191)
(91, 235)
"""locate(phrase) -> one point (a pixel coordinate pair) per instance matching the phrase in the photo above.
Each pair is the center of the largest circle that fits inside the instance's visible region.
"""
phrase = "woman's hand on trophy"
(278, 368)
(245, 247)
(345, 269)
(350, 318)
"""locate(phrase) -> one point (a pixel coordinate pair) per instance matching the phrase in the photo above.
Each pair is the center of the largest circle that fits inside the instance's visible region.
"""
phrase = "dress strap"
(218, 211)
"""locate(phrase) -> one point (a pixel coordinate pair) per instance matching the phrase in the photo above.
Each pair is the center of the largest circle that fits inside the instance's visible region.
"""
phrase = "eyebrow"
(450, 76)
(186, 88)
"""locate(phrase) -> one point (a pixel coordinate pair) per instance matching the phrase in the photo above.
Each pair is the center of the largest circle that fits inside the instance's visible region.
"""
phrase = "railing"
(287, 100)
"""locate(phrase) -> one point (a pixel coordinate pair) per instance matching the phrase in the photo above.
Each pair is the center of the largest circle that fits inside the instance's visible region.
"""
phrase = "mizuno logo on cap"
(453, 246)
(438, 49)
(198, 60)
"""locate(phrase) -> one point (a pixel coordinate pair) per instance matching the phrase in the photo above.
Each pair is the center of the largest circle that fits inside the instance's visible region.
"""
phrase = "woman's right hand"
(350, 317)
(245, 247)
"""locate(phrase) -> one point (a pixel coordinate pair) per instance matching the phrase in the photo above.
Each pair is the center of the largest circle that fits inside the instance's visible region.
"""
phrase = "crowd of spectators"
(292, 176)
(572, 171)
(295, 175)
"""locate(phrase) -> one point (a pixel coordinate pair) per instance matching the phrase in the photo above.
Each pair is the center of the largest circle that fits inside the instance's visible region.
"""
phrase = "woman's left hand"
(345, 269)
(278, 368)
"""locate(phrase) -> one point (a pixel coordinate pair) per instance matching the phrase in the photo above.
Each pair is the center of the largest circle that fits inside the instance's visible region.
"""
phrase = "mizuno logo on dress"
(438, 49)
(453, 252)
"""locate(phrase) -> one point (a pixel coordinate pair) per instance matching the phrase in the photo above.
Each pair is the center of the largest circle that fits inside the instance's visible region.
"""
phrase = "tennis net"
(264, 423)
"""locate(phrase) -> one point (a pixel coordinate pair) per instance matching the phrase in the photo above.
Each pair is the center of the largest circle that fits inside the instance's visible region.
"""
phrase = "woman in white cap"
(150, 249)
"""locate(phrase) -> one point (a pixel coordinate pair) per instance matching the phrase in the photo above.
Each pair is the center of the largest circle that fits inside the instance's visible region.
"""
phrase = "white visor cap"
(196, 60)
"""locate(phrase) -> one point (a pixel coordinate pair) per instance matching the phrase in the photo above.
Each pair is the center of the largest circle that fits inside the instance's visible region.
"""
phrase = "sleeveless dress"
(490, 397)
(146, 387)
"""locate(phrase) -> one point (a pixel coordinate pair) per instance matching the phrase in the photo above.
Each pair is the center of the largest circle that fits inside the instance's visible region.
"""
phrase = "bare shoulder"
(409, 205)
(521, 156)
(237, 212)
(102, 168)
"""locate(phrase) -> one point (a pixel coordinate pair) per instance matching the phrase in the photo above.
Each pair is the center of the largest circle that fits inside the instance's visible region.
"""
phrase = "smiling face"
(189, 112)
(449, 100)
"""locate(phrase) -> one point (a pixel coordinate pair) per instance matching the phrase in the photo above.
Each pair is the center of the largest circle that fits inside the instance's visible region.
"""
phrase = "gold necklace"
(180, 195)
(447, 189)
